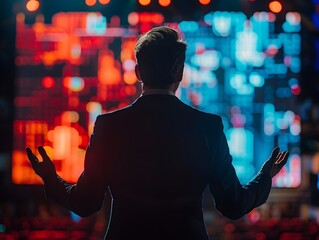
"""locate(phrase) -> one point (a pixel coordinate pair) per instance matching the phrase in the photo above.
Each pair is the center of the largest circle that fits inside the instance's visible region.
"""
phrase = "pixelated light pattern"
(237, 67)
(250, 80)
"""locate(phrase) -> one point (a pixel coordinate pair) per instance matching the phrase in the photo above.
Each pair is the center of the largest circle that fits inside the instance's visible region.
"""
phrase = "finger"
(274, 154)
(33, 159)
(43, 154)
(284, 159)
(279, 157)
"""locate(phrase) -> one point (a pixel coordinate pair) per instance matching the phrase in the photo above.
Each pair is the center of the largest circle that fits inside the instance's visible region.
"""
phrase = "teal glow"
(208, 59)
(252, 63)
(76, 83)
(256, 79)
(222, 24)
(188, 26)
(246, 48)
(243, 153)
(95, 24)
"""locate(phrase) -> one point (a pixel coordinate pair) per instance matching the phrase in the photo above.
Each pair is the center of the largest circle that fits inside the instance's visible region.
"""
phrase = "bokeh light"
(104, 2)
(133, 18)
(90, 3)
(48, 82)
(75, 84)
(32, 5)
(204, 2)
(144, 2)
(164, 3)
(275, 6)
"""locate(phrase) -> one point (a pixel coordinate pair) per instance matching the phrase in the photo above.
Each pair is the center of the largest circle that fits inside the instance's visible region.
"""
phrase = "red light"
(204, 2)
(90, 3)
(164, 3)
(144, 2)
(157, 18)
(32, 5)
(48, 82)
(130, 90)
(275, 6)
(295, 89)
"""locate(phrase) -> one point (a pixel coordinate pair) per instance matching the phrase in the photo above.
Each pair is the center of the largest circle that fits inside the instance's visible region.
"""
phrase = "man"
(157, 156)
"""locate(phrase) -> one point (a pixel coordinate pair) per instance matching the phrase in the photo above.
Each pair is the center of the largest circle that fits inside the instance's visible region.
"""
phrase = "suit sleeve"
(232, 199)
(86, 196)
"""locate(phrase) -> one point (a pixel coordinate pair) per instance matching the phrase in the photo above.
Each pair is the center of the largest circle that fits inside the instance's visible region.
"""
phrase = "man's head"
(160, 55)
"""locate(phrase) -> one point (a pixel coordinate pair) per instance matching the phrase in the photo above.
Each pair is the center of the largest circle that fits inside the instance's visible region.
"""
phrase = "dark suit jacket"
(157, 156)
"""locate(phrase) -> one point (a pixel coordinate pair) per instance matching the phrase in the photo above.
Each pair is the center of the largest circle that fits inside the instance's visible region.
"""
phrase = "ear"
(180, 74)
(137, 73)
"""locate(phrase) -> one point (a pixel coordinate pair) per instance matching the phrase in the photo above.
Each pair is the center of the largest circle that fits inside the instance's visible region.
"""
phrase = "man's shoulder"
(115, 113)
(202, 114)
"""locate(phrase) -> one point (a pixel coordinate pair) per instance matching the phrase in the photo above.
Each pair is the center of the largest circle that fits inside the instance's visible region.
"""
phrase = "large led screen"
(80, 65)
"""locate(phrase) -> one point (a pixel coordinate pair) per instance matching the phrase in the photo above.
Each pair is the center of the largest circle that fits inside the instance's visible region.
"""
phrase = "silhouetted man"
(156, 157)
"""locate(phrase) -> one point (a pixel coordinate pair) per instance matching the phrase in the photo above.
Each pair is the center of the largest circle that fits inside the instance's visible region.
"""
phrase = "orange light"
(164, 3)
(275, 6)
(144, 2)
(204, 2)
(130, 78)
(32, 5)
(90, 3)
(104, 2)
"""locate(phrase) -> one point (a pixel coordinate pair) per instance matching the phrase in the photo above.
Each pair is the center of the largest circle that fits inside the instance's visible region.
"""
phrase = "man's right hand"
(44, 168)
(275, 163)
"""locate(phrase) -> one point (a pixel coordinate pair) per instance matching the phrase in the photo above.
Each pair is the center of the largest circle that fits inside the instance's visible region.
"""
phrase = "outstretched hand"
(275, 163)
(42, 168)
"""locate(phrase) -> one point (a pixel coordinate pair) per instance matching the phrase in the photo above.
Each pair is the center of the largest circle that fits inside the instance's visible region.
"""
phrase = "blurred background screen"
(76, 65)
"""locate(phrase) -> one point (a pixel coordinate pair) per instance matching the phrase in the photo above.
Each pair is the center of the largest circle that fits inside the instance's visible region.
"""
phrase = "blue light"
(295, 66)
(315, 19)
(208, 18)
(222, 24)
(293, 81)
(188, 26)
(237, 81)
(75, 217)
(246, 48)
(95, 24)
(241, 146)
(208, 59)
(256, 79)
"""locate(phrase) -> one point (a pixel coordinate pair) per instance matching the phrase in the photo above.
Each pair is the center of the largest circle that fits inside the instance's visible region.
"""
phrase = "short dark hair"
(160, 55)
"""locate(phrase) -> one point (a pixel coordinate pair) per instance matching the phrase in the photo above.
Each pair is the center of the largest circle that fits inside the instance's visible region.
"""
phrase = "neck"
(172, 88)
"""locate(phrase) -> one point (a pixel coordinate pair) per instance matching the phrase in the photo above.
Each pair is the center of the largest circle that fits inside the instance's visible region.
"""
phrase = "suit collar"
(153, 98)
(158, 91)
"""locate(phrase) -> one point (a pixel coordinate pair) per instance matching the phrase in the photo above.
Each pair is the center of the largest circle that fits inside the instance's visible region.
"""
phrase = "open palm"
(42, 168)
(275, 163)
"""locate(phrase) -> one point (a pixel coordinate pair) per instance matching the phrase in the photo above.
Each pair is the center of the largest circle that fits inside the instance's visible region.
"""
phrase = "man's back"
(160, 162)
